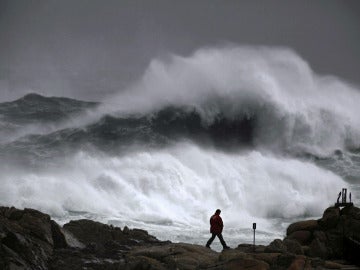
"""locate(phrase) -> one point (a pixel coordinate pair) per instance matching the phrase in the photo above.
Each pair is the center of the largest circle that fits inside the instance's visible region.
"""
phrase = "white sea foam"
(295, 109)
(177, 187)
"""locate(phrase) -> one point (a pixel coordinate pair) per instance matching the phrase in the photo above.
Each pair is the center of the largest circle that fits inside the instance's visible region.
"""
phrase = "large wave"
(179, 184)
(228, 128)
(294, 108)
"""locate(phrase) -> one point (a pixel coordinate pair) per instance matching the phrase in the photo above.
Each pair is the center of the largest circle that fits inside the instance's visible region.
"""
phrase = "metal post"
(343, 195)
(254, 228)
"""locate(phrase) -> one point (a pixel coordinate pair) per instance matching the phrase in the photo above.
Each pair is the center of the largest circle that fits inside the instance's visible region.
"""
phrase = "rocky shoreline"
(30, 240)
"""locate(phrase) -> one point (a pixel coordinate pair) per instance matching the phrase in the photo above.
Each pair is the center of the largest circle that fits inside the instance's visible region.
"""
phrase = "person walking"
(216, 227)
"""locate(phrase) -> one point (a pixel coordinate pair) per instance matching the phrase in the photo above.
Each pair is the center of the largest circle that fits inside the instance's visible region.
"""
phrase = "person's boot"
(226, 247)
(207, 246)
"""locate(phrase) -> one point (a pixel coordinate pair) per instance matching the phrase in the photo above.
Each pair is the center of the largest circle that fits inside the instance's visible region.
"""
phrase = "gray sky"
(90, 48)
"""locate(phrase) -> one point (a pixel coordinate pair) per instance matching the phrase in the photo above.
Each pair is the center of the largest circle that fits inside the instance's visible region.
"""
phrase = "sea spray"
(179, 185)
(251, 130)
(296, 109)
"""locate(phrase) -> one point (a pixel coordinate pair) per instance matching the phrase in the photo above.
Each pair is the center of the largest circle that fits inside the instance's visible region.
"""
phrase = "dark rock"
(300, 263)
(334, 243)
(321, 235)
(303, 237)
(330, 218)
(87, 232)
(318, 249)
(276, 246)
(30, 240)
(327, 240)
(178, 256)
(293, 246)
(351, 211)
(269, 258)
(242, 264)
(284, 261)
(248, 248)
(26, 238)
(307, 225)
(57, 235)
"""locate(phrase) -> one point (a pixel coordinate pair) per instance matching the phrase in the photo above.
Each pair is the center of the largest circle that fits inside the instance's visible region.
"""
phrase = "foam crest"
(295, 108)
(178, 187)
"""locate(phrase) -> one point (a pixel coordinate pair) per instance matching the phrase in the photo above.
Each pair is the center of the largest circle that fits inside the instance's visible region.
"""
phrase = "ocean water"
(250, 130)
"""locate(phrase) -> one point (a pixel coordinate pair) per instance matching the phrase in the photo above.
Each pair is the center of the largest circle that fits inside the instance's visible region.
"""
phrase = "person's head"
(217, 212)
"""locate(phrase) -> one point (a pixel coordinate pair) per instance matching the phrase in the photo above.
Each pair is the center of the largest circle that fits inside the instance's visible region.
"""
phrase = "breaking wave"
(251, 130)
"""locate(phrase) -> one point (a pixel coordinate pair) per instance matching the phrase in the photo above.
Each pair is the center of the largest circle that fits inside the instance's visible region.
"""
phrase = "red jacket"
(216, 224)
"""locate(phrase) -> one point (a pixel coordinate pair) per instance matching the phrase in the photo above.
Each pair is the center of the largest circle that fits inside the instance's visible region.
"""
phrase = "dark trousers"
(213, 237)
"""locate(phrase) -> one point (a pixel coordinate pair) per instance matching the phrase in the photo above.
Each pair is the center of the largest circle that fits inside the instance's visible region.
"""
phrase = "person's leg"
(222, 241)
(210, 240)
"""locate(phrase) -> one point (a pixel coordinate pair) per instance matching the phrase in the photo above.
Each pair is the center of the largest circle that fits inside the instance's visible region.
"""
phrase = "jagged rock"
(26, 238)
(57, 235)
(88, 231)
(30, 240)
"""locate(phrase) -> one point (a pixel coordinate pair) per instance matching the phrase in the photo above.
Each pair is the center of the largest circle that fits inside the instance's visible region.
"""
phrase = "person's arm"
(220, 222)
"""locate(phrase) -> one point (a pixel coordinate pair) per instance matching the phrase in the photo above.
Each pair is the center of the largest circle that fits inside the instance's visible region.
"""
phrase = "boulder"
(330, 218)
(269, 258)
(284, 261)
(28, 238)
(332, 265)
(303, 237)
(300, 263)
(293, 246)
(242, 264)
(351, 211)
(276, 246)
(92, 232)
(321, 235)
(177, 256)
(248, 248)
(306, 225)
(318, 249)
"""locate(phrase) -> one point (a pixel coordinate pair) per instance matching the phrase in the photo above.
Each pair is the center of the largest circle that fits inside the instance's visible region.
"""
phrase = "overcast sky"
(90, 48)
